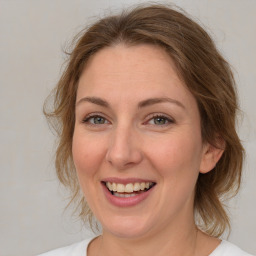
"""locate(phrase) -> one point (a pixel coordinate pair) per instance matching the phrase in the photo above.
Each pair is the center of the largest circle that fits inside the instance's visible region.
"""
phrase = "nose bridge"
(123, 149)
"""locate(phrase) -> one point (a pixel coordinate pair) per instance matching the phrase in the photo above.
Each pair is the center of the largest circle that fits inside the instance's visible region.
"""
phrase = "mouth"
(128, 190)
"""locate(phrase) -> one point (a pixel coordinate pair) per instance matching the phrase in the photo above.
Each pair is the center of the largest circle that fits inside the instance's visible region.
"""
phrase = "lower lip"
(126, 201)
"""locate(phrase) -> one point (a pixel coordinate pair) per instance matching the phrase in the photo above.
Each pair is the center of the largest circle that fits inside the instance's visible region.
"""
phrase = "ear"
(211, 155)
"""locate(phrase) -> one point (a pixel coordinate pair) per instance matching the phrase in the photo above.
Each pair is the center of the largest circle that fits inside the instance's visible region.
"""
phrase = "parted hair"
(203, 70)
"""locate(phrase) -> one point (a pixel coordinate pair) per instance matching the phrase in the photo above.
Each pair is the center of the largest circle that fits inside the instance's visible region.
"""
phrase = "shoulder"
(228, 249)
(77, 249)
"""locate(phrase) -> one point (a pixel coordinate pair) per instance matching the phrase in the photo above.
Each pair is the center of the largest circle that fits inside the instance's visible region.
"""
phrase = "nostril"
(123, 150)
(122, 161)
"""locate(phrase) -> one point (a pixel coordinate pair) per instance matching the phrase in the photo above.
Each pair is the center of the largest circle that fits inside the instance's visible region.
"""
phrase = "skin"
(130, 143)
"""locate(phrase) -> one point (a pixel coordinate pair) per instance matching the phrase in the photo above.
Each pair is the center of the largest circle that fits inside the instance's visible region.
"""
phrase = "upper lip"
(126, 180)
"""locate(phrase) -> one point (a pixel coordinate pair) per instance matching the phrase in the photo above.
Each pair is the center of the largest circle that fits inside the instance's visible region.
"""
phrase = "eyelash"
(167, 120)
(161, 116)
(91, 116)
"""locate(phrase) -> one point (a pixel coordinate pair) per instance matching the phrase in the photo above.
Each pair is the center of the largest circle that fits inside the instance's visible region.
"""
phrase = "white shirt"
(80, 249)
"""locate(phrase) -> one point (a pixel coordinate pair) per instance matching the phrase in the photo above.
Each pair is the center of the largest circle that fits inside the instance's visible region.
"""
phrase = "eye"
(160, 120)
(95, 120)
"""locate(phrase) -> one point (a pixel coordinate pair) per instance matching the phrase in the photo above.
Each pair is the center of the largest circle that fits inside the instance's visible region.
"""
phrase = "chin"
(127, 227)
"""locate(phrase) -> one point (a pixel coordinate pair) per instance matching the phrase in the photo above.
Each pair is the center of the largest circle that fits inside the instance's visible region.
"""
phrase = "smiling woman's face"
(137, 130)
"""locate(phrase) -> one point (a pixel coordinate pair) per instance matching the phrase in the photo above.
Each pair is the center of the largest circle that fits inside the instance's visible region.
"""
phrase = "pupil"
(98, 120)
(159, 120)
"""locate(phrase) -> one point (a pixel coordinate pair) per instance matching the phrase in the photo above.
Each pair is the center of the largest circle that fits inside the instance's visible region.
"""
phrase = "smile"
(128, 190)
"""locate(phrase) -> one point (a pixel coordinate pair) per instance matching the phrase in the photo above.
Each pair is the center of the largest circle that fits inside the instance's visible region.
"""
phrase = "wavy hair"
(204, 71)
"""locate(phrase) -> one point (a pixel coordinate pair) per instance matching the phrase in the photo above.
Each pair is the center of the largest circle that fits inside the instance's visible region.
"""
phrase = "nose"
(124, 149)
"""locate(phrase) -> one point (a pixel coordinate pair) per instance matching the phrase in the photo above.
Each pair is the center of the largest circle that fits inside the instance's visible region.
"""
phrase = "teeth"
(128, 188)
(119, 188)
(110, 187)
(114, 188)
(124, 195)
(136, 187)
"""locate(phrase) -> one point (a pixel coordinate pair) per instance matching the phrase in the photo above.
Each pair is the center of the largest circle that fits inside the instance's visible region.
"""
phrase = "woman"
(146, 112)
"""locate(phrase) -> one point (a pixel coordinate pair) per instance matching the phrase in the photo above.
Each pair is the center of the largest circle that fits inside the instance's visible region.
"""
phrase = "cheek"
(87, 156)
(178, 159)
(178, 164)
(179, 149)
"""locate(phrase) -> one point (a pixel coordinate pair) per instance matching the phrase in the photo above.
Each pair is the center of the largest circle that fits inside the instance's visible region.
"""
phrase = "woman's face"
(137, 130)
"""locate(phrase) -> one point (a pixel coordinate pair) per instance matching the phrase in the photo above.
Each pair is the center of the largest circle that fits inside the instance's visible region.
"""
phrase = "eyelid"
(161, 115)
(148, 118)
(95, 114)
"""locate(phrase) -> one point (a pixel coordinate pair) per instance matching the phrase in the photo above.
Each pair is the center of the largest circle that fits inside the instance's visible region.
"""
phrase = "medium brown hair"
(203, 70)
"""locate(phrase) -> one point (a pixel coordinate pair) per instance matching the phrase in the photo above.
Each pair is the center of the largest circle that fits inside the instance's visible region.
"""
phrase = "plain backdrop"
(33, 34)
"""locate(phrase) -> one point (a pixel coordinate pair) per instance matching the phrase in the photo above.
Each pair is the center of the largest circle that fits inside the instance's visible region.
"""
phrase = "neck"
(182, 241)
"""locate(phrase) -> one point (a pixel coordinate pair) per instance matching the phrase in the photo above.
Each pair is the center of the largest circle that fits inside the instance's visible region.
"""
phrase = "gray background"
(32, 35)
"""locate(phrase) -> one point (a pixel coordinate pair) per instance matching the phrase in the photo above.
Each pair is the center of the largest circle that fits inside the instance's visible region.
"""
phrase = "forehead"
(139, 59)
(140, 71)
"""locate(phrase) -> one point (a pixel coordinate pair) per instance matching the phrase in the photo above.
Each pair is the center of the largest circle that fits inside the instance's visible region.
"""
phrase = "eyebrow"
(142, 104)
(153, 101)
(94, 100)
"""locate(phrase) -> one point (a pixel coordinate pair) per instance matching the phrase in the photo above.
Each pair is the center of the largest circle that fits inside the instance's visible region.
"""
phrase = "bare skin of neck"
(192, 243)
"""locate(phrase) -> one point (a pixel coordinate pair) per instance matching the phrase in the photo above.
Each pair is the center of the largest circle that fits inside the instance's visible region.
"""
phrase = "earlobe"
(211, 156)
